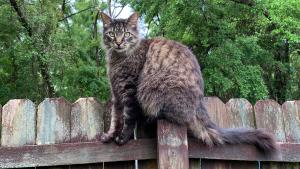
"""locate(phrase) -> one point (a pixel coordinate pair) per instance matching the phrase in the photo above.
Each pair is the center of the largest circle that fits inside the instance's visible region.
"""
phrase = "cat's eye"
(127, 34)
(112, 34)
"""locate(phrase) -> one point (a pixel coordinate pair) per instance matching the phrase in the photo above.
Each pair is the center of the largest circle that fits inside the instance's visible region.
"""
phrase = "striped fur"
(162, 79)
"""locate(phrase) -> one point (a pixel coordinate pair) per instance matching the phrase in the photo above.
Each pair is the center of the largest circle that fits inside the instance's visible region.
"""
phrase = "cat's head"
(120, 35)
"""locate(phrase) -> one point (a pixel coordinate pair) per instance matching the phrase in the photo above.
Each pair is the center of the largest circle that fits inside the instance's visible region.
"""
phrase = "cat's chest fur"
(124, 72)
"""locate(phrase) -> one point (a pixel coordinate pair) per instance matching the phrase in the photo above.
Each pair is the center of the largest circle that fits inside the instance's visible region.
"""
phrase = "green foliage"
(66, 46)
(250, 51)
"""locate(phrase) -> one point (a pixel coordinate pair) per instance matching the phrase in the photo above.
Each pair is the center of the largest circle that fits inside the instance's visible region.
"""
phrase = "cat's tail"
(204, 129)
(263, 140)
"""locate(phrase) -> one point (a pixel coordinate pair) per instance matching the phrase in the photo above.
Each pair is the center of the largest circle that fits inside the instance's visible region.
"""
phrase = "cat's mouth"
(120, 49)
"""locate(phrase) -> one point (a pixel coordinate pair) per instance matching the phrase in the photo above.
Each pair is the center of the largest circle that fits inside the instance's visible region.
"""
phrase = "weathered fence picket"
(63, 135)
(53, 121)
(234, 114)
(86, 124)
(86, 120)
(291, 119)
(269, 115)
(291, 116)
(18, 123)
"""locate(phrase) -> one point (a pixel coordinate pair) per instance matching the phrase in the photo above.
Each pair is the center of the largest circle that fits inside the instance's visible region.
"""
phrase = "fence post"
(172, 146)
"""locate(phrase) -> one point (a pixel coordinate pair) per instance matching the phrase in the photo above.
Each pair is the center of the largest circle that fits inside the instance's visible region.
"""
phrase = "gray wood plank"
(291, 116)
(53, 121)
(76, 153)
(86, 120)
(86, 124)
(268, 114)
(142, 149)
(18, 123)
(238, 113)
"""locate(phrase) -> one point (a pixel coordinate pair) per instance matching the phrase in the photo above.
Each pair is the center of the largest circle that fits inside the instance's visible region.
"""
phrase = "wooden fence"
(65, 135)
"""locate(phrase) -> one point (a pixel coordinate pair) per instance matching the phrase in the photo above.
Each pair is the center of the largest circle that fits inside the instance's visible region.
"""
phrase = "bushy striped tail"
(263, 140)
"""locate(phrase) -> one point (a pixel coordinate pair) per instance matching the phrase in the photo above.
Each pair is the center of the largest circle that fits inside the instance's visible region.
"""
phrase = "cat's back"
(170, 56)
(171, 76)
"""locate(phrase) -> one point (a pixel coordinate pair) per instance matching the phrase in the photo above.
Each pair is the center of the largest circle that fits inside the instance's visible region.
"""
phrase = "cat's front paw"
(122, 139)
(105, 137)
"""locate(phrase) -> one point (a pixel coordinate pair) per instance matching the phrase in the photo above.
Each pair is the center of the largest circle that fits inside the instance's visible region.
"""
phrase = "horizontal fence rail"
(57, 132)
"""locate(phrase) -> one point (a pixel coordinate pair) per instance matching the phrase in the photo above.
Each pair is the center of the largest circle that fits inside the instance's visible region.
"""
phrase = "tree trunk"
(43, 66)
(281, 76)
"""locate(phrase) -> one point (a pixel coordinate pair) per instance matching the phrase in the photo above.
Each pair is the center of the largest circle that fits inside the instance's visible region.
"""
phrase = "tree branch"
(119, 11)
(21, 17)
(245, 2)
(43, 66)
(91, 7)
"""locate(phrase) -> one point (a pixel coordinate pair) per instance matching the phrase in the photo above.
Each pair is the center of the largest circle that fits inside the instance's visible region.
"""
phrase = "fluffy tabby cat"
(162, 79)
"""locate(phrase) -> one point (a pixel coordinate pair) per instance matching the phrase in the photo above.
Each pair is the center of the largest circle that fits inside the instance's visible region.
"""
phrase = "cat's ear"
(133, 20)
(105, 19)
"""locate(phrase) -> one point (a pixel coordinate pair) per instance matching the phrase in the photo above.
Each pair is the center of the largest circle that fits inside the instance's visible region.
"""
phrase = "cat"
(162, 79)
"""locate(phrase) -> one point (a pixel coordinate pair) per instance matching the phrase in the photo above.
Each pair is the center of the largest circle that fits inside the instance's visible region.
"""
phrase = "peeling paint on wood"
(172, 146)
(86, 120)
(236, 113)
(53, 121)
(291, 115)
(18, 123)
(86, 123)
(240, 113)
(269, 116)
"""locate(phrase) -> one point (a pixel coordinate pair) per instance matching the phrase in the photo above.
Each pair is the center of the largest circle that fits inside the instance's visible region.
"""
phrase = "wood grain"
(269, 116)
(217, 111)
(86, 120)
(86, 124)
(238, 113)
(172, 146)
(53, 121)
(142, 149)
(288, 152)
(76, 153)
(18, 123)
(291, 116)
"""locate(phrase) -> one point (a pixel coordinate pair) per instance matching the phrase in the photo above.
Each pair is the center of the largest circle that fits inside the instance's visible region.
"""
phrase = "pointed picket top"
(53, 121)
(291, 115)
(268, 115)
(18, 123)
(240, 113)
(216, 110)
(86, 120)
